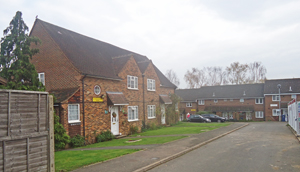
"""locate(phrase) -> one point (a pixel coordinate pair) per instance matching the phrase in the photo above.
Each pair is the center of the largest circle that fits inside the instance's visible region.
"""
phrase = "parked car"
(214, 118)
(198, 118)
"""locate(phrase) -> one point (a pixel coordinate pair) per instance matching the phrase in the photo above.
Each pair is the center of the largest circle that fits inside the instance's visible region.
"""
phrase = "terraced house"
(258, 102)
(99, 86)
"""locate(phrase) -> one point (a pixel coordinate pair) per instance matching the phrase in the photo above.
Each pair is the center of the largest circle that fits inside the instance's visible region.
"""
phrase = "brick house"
(98, 86)
(275, 104)
(234, 102)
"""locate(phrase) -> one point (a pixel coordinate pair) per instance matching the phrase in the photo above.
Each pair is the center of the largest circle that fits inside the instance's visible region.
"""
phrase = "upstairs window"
(42, 78)
(242, 100)
(201, 102)
(151, 111)
(150, 84)
(259, 101)
(293, 96)
(275, 98)
(215, 100)
(132, 82)
(97, 90)
(188, 104)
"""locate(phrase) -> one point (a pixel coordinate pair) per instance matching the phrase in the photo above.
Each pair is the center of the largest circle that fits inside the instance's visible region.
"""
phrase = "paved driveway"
(261, 146)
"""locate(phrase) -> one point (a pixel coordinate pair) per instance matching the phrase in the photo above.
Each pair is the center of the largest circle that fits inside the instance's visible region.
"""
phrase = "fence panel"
(25, 137)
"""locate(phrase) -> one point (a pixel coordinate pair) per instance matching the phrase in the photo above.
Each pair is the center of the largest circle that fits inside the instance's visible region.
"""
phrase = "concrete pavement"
(154, 155)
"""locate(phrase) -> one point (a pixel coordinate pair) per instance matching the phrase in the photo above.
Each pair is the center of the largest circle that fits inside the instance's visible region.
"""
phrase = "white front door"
(248, 116)
(114, 113)
(163, 114)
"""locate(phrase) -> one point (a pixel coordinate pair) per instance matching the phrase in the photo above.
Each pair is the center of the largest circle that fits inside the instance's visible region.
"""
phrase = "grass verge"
(184, 128)
(144, 141)
(70, 160)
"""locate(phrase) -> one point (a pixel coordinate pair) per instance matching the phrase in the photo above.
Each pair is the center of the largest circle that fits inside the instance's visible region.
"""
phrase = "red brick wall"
(59, 71)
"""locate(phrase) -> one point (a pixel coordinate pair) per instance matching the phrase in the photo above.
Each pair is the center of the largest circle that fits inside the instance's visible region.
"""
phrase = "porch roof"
(165, 99)
(116, 99)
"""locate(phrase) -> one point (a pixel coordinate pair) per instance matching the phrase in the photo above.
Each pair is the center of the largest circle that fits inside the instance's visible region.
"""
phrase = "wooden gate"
(26, 131)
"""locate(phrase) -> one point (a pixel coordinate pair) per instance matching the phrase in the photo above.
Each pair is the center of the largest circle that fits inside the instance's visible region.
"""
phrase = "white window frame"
(259, 101)
(293, 96)
(201, 102)
(42, 79)
(242, 100)
(189, 104)
(275, 98)
(70, 111)
(151, 111)
(276, 112)
(259, 114)
(150, 84)
(231, 100)
(97, 89)
(176, 107)
(215, 100)
(132, 82)
(133, 113)
(225, 100)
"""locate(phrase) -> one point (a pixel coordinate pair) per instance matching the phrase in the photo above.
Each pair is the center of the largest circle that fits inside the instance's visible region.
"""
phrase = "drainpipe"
(83, 114)
(143, 75)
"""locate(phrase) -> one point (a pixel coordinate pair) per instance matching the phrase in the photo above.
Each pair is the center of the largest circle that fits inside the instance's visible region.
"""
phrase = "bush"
(77, 141)
(60, 136)
(133, 129)
(104, 136)
(203, 112)
(153, 126)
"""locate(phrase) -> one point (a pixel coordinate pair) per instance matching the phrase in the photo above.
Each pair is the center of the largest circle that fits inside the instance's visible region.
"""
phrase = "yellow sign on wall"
(193, 110)
(97, 99)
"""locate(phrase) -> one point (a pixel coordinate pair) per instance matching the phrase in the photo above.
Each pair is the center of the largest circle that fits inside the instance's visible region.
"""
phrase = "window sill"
(133, 120)
(151, 90)
(132, 88)
(151, 117)
(71, 122)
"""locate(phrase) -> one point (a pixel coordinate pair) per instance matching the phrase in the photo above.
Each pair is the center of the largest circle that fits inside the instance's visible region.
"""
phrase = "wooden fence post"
(51, 134)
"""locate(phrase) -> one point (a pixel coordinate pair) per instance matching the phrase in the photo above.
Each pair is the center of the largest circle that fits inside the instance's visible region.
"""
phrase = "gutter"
(83, 114)
(143, 75)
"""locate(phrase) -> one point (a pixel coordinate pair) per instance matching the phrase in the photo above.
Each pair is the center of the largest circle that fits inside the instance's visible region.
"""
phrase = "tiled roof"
(93, 57)
(288, 86)
(229, 108)
(116, 98)
(222, 92)
(63, 94)
(165, 99)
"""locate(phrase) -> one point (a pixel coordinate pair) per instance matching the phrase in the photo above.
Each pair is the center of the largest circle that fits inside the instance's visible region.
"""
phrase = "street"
(261, 146)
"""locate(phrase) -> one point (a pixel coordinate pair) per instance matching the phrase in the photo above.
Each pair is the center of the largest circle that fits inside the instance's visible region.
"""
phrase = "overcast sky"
(181, 34)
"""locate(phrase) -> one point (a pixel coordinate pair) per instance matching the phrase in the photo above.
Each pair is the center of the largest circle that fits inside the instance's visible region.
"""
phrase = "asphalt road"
(261, 146)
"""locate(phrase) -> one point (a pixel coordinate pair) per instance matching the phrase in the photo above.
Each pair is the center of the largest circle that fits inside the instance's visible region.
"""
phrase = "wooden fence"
(26, 131)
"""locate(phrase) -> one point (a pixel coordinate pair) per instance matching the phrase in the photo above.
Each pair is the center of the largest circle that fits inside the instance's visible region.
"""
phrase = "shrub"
(133, 129)
(77, 141)
(60, 136)
(104, 136)
(153, 126)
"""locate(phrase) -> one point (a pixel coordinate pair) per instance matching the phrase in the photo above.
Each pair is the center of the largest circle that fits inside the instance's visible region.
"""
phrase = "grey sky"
(181, 34)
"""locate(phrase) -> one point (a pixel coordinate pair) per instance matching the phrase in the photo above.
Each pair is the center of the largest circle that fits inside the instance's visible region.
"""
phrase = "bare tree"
(257, 72)
(171, 75)
(195, 78)
(237, 73)
(215, 76)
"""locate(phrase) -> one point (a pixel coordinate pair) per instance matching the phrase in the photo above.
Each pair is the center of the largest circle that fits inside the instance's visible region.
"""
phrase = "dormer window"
(244, 93)
(132, 82)
(150, 84)
(290, 88)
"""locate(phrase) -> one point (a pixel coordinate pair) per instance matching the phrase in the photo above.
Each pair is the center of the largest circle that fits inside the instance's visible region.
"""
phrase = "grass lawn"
(184, 128)
(70, 160)
(144, 141)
